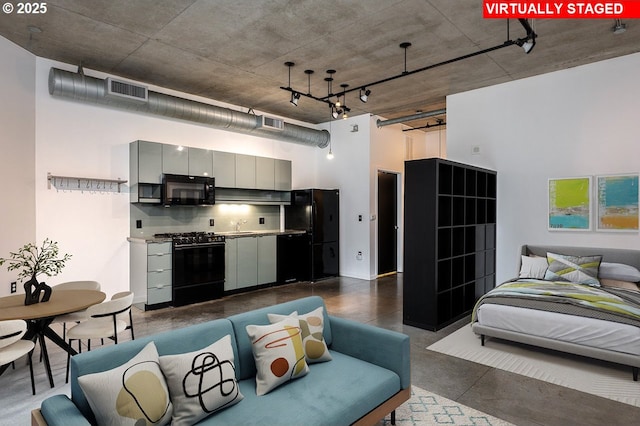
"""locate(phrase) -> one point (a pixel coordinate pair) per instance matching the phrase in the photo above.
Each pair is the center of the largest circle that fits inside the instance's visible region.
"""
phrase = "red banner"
(561, 9)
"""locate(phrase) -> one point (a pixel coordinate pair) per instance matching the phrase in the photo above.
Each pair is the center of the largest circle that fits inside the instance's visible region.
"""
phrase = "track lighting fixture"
(527, 42)
(335, 112)
(295, 97)
(364, 95)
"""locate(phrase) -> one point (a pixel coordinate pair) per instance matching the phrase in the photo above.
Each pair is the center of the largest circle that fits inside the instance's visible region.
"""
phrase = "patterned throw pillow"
(278, 353)
(201, 382)
(132, 394)
(312, 327)
(576, 269)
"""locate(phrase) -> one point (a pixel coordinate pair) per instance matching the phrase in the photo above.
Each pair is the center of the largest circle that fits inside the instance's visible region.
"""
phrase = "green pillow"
(575, 269)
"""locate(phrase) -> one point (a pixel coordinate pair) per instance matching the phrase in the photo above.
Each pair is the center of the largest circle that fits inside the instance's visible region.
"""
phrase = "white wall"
(348, 171)
(575, 122)
(80, 139)
(17, 142)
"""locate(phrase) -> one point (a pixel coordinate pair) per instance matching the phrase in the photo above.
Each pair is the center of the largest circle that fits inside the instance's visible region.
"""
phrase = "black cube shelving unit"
(449, 240)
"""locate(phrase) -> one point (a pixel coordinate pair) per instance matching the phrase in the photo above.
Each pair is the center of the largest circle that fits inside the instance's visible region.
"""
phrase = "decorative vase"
(33, 289)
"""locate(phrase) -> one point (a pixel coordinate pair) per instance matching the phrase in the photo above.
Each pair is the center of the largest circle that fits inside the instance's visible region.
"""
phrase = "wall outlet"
(359, 218)
(211, 222)
(359, 255)
(138, 224)
(261, 221)
(13, 287)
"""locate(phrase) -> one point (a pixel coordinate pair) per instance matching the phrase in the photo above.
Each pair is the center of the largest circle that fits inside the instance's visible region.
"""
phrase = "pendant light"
(330, 153)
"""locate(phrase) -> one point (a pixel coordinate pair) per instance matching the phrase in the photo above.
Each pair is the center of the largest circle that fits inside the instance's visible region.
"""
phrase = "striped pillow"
(575, 269)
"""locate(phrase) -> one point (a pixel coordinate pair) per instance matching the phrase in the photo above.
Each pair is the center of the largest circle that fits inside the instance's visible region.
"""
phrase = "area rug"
(599, 378)
(426, 408)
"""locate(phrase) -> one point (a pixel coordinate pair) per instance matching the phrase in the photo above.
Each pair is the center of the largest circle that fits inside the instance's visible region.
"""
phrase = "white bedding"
(569, 328)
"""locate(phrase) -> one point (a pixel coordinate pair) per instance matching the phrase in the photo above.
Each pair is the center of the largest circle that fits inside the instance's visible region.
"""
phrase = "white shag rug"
(599, 378)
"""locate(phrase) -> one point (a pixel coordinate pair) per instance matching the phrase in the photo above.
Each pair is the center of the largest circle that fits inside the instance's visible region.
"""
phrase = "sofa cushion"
(245, 364)
(311, 326)
(333, 393)
(170, 342)
(131, 393)
(278, 353)
(201, 382)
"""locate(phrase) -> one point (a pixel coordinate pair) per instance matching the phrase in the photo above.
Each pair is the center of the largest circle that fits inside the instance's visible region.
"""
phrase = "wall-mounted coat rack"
(72, 183)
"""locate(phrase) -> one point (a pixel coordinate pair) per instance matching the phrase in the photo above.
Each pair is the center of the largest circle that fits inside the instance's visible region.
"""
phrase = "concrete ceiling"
(234, 50)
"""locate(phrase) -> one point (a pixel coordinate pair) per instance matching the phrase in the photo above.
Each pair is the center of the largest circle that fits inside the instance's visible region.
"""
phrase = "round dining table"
(39, 316)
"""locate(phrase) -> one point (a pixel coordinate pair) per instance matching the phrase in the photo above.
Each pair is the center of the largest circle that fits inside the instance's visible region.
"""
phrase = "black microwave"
(181, 190)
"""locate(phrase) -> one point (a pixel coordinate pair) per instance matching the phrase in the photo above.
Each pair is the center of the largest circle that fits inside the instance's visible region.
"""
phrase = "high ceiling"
(234, 50)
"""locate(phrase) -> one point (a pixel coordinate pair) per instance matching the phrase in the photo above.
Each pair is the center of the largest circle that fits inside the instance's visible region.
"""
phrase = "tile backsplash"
(157, 219)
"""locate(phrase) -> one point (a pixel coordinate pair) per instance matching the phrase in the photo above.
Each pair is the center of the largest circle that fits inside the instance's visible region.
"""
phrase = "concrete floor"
(515, 398)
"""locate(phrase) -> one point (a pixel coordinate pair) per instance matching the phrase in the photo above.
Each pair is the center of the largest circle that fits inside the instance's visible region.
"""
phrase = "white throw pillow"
(132, 394)
(278, 353)
(201, 382)
(533, 267)
(312, 327)
(619, 271)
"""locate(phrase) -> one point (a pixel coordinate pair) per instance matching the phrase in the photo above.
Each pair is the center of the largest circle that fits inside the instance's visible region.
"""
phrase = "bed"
(569, 312)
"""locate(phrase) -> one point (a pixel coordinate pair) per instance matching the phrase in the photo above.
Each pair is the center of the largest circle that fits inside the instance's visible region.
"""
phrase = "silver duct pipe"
(89, 89)
(417, 116)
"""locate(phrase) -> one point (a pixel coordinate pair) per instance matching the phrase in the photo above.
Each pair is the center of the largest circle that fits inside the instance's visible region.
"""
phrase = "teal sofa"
(368, 377)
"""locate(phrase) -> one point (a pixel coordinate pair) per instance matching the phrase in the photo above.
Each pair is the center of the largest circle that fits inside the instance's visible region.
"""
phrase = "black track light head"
(295, 97)
(364, 95)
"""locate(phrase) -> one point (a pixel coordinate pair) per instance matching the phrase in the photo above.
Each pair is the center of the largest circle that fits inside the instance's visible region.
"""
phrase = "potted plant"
(32, 261)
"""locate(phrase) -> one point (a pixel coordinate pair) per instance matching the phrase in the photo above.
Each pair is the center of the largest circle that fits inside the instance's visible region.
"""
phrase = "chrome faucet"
(239, 223)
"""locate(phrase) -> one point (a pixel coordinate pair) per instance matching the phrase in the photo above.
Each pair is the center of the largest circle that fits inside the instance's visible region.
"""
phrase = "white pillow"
(533, 267)
(618, 271)
(201, 382)
(278, 353)
(134, 393)
(312, 327)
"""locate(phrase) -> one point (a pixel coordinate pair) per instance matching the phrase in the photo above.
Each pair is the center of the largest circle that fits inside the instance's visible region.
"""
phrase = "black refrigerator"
(317, 212)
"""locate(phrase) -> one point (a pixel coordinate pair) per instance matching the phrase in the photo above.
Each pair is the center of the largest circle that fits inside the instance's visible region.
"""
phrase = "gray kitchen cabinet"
(175, 159)
(245, 171)
(145, 171)
(224, 169)
(267, 262)
(230, 264)
(265, 173)
(200, 162)
(150, 273)
(247, 262)
(282, 175)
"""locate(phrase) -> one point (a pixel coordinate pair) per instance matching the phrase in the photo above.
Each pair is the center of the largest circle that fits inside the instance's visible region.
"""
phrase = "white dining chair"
(12, 346)
(73, 317)
(128, 314)
(103, 322)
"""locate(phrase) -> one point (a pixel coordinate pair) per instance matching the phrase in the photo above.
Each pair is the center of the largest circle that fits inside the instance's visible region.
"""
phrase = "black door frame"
(398, 178)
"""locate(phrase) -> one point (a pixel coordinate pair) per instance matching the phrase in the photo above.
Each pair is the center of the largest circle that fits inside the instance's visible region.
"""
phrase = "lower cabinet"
(150, 274)
(247, 262)
(250, 261)
(267, 259)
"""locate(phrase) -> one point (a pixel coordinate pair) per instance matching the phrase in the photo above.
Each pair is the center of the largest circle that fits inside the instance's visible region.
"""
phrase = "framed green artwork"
(617, 203)
(570, 204)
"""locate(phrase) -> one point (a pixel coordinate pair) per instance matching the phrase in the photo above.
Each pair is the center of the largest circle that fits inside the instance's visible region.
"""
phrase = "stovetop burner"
(180, 238)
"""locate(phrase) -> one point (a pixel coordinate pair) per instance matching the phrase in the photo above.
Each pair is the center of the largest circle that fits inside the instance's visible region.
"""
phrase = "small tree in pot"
(32, 261)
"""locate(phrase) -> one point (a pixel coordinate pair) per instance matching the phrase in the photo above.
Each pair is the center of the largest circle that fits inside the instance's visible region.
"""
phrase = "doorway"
(387, 222)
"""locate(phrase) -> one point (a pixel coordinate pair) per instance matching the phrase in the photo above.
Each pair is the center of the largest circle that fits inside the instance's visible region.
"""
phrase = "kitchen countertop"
(227, 234)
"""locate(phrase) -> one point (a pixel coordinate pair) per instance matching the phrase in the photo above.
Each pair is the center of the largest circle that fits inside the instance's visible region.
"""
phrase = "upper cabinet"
(145, 172)
(175, 159)
(265, 173)
(200, 162)
(245, 171)
(282, 175)
(150, 160)
(224, 169)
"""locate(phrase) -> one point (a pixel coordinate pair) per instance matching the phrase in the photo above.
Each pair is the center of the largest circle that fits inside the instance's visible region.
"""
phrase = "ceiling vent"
(271, 123)
(123, 90)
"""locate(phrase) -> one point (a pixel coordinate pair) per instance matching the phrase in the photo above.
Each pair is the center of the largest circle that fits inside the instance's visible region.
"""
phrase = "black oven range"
(198, 266)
